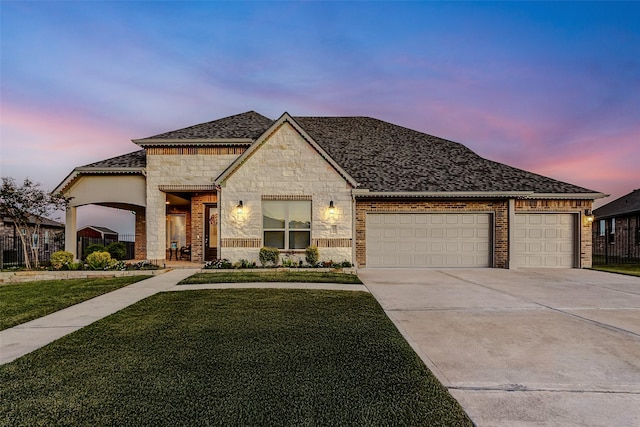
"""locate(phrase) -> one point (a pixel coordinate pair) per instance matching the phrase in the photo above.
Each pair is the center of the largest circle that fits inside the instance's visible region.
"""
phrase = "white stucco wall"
(198, 169)
(108, 188)
(285, 165)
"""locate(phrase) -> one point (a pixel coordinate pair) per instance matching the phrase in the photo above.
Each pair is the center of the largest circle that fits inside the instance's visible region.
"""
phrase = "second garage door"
(544, 240)
(428, 240)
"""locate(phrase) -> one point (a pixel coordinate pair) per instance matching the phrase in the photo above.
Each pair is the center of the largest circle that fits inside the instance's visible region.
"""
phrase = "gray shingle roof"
(379, 155)
(249, 125)
(137, 159)
(385, 157)
(627, 204)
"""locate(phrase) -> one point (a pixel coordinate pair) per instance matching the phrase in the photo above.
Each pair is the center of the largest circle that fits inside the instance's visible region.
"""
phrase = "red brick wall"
(565, 206)
(497, 207)
(141, 234)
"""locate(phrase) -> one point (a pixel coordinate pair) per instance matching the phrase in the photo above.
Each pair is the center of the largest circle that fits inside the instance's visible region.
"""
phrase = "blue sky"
(550, 87)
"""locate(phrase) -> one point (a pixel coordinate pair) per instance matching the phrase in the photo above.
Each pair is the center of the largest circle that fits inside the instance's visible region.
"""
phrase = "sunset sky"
(550, 87)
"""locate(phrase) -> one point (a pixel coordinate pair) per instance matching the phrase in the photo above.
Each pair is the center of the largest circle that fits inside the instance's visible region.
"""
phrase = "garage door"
(428, 240)
(544, 240)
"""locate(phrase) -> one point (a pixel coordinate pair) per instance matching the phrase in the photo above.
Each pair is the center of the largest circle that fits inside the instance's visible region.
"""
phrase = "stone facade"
(285, 167)
(176, 170)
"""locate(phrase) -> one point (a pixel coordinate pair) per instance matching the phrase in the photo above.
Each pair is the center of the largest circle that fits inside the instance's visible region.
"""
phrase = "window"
(612, 231)
(287, 224)
(601, 227)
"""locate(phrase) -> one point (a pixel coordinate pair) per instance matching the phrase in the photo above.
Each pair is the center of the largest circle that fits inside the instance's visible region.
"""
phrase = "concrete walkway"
(523, 347)
(27, 337)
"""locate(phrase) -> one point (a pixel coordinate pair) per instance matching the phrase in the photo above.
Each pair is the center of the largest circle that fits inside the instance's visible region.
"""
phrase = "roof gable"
(285, 118)
(627, 204)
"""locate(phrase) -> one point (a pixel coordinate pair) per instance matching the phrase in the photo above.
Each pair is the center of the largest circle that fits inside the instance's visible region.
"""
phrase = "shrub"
(61, 259)
(346, 264)
(269, 255)
(96, 247)
(99, 260)
(311, 254)
(118, 250)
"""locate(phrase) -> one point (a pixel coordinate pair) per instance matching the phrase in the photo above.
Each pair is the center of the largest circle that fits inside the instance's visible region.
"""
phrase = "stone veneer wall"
(285, 167)
(177, 167)
(497, 207)
(565, 206)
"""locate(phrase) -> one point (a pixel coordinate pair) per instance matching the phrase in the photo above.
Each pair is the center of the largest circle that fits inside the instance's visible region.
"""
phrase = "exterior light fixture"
(332, 209)
(240, 207)
(588, 215)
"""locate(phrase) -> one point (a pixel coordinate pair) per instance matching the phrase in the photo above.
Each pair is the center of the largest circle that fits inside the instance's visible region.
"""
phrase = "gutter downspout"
(353, 231)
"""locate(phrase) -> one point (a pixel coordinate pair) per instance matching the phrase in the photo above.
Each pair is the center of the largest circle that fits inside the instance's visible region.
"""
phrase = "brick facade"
(498, 209)
(576, 207)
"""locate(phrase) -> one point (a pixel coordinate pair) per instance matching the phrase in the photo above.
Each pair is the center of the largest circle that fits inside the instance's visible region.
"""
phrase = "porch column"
(70, 232)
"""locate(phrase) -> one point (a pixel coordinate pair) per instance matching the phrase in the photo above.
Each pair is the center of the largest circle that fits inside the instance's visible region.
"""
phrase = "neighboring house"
(48, 240)
(616, 229)
(95, 232)
(49, 231)
(360, 189)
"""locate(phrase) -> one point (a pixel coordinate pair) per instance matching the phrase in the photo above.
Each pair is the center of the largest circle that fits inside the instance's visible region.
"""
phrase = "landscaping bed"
(231, 357)
(244, 276)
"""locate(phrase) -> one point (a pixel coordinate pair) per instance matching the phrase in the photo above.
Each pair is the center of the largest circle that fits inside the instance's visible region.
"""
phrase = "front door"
(211, 232)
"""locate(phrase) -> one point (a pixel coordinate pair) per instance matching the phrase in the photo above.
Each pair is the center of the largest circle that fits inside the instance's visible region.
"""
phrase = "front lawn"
(271, 276)
(630, 269)
(22, 302)
(231, 357)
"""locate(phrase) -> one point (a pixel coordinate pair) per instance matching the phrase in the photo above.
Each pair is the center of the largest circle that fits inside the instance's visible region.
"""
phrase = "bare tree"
(27, 205)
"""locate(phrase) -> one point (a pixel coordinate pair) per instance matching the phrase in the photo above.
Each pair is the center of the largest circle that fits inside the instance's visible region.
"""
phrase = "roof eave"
(160, 142)
(84, 170)
(364, 193)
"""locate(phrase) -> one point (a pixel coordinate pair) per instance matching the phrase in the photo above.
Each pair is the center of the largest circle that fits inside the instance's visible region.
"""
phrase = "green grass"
(630, 269)
(271, 276)
(22, 302)
(231, 357)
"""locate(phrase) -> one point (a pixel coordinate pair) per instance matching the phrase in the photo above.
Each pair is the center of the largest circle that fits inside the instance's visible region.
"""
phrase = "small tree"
(27, 205)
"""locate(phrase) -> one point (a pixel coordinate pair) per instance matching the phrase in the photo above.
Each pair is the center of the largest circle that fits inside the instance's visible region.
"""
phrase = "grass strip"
(629, 269)
(271, 276)
(227, 358)
(22, 302)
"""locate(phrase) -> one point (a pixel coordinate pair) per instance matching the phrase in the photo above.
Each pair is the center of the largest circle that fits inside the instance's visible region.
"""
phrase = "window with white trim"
(286, 224)
(602, 228)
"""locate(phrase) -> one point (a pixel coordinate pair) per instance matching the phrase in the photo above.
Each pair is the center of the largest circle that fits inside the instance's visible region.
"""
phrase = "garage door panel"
(544, 240)
(428, 240)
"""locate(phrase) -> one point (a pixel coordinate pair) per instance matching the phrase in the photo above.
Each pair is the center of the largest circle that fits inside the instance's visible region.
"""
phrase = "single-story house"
(360, 189)
(616, 229)
(96, 232)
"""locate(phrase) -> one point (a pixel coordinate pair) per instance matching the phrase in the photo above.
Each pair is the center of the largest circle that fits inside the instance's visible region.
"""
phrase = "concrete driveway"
(523, 347)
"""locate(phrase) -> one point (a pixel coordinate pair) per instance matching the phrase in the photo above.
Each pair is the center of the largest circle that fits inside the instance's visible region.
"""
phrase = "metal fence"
(127, 239)
(616, 241)
(12, 254)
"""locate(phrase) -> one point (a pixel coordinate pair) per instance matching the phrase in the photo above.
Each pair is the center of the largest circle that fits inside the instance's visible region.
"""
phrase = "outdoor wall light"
(332, 209)
(240, 207)
(588, 215)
